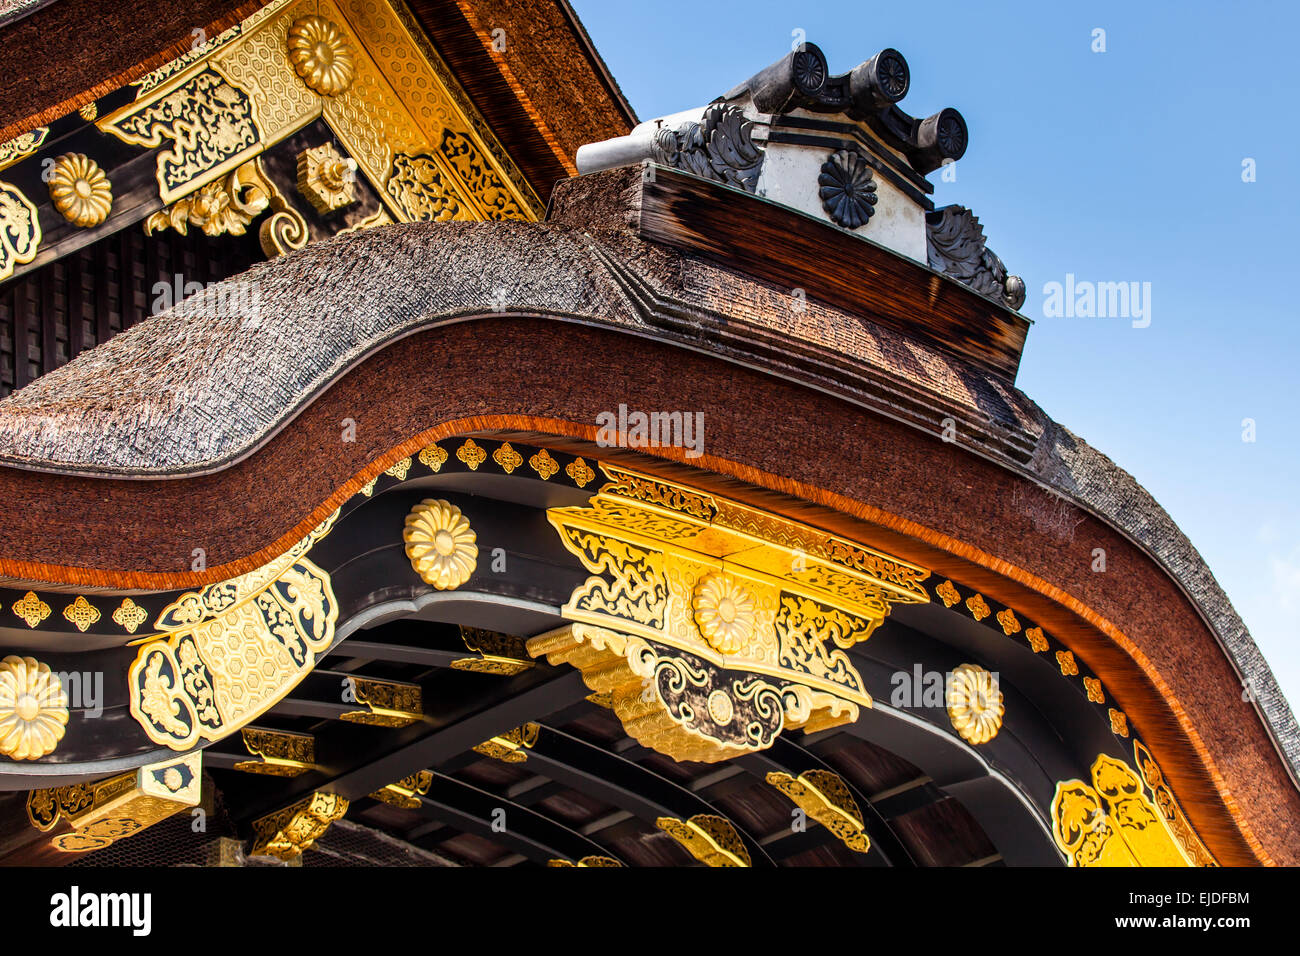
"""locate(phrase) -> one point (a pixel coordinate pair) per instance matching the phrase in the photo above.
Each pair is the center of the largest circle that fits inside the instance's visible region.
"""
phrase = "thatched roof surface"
(199, 387)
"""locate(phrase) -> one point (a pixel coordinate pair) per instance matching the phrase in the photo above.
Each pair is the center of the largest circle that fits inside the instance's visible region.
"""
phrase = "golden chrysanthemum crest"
(80, 190)
(441, 545)
(321, 55)
(33, 708)
(975, 703)
(725, 613)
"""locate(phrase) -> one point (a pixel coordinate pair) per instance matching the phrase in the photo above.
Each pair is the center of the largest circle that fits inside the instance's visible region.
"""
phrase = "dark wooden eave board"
(790, 249)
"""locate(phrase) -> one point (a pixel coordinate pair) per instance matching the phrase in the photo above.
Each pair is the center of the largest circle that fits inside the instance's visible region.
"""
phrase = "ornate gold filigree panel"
(1114, 822)
(105, 811)
(286, 833)
(283, 754)
(710, 839)
(359, 65)
(421, 190)
(824, 796)
(232, 650)
(511, 747)
(22, 146)
(207, 123)
(498, 653)
(1169, 807)
(388, 703)
(20, 229)
(713, 625)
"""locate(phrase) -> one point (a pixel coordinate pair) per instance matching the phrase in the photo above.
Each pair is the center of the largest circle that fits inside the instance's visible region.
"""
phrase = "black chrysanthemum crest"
(892, 74)
(848, 192)
(809, 71)
(951, 136)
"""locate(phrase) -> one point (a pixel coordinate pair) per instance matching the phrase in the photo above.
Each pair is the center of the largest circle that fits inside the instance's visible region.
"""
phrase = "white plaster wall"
(790, 177)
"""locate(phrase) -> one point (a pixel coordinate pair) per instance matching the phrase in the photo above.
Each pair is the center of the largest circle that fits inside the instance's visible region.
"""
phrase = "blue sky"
(1117, 166)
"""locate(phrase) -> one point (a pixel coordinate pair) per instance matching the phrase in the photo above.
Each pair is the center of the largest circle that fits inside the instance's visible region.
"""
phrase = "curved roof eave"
(198, 388)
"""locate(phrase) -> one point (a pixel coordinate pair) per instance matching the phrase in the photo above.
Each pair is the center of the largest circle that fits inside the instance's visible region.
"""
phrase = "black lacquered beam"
(589, 769)
(470, 810)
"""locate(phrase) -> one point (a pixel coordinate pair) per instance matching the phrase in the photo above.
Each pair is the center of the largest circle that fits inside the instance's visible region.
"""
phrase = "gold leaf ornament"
(129, 616)
(321, 55)
(724, 613)
(544, 464)
(975, 704)
(20, 227)
(440, 544)
(80, 190)
(33, 708)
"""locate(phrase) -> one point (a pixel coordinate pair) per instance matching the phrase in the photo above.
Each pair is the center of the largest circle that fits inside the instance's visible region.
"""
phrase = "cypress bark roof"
(200, 387)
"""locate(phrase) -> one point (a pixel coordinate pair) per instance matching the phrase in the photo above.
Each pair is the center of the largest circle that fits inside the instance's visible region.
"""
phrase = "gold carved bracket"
(103, 812)
(511, 747)
(499, 654)
(824, 797)
(388, 703)
(286, 833)
(714, 626)
(1114, 820)
(710, 839)
(281, 753)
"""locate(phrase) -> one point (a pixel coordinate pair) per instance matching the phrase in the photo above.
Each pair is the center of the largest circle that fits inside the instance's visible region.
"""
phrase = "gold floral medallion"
(440, 544)
(33, 708)
(724, 613)
(975, 704)
(80, 190)
(321, 55)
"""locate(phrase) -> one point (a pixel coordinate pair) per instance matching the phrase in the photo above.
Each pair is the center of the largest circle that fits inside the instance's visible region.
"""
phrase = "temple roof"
(837, 148)
(203, 386)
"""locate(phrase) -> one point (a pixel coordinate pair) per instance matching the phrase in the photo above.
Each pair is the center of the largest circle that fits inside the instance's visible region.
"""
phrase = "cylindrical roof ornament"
(881, 81)
(940, 138)
(799, 75)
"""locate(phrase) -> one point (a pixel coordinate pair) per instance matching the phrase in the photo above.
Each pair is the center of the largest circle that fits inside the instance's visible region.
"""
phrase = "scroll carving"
(958, 249)
(197, 683)
(720, 148)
